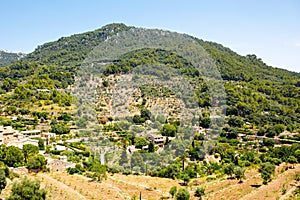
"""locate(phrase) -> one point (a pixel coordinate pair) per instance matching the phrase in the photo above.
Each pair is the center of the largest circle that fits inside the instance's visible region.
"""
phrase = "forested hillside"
(7, 58)
(256, 93)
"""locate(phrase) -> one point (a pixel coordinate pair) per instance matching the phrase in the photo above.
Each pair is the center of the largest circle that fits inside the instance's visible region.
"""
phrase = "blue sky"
(268, 28)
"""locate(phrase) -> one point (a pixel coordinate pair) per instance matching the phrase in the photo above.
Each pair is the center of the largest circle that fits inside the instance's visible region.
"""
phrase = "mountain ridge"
(89, 40)
(7, 57)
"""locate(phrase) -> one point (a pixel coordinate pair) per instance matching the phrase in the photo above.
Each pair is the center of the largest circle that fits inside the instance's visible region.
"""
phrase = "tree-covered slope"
(70, 51)
(7, 58)
(256, 93)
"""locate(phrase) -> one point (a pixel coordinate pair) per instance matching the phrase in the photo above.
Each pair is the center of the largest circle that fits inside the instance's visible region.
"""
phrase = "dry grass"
(83, 188)
(274, 189)
(62, 186)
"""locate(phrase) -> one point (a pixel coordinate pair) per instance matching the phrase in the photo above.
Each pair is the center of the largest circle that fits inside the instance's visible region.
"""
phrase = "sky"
(268, 28)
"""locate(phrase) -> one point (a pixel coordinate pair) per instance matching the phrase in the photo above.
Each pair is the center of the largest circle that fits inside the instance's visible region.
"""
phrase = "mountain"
(7, 58)
(256, 93)
(70, 51)
(46, 90)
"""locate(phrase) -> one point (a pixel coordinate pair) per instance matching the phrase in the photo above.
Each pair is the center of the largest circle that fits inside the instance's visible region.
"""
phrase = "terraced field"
(62, 186)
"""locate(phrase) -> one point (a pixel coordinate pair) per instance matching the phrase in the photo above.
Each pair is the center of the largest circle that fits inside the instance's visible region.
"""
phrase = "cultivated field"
(62, 186)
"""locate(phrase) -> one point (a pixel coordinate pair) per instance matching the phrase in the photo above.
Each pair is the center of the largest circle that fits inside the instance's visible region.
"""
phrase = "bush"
(27, 190)
(266, 170)
(2, 180)
(182, 194)
(37, 162)
(173, 191)
(60, 128)
(73, 170)
(169, 130)
(268, 142)
(200, 192)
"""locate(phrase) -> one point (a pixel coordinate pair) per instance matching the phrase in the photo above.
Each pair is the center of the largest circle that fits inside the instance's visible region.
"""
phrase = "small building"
(158, 140)
(132, 149)
(61, 148)
(59, 165)
(7, 130)
(8, 133)
(31, 133)
(20, 142)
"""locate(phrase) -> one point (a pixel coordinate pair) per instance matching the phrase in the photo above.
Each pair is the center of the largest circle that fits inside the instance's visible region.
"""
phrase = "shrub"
(182, 194)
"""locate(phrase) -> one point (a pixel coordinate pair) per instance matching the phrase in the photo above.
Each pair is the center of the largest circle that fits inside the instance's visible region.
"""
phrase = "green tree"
(225, 150)
(200, 192)
(146, 114)
(173, 191)
(3, 150)
(185, 177)
(235, 121)
(37, 162)
(239, 173)
(151, 147)
(182, 194)
(60, 128)
(279, 128)
(11, 110)
(99, 171)
(261, 132)
(205, 122)
(41, 144)
(14, 157)
(183, 159)
(8, 84)
(271, 132)
(268, 142)
(297, 154)
(228, 169)
(139, 142)
(29, 150)
(81, 123)
(266, 170)
(2, 180)
(137, 161)
(123, 160)
(27, 190)
(169, 130)
(65, 116)
(292, 159)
